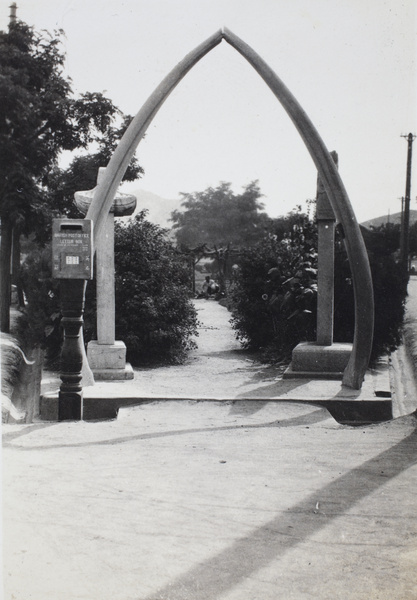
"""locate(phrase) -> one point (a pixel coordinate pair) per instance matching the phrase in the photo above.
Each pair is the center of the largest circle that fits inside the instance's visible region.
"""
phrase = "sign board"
(72, 249)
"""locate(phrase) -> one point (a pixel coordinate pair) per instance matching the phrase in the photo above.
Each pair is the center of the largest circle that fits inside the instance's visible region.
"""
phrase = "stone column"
(325, 275)
(105, 284)
(106, 355)
(322, 359)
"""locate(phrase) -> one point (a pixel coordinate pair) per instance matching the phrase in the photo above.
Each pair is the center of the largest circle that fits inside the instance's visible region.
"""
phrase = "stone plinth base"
(108, 361)
(114, 374)
(309, 360)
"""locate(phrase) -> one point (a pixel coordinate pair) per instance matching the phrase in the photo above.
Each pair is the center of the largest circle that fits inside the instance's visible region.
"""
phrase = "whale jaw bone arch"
(358, 258)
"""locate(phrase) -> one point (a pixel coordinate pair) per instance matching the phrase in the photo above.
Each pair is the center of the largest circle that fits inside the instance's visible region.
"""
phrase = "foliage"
(39, 323)
(39, 119)
(219, 217)
(389, 295)
(412, 238)
(154, 315)
(282, 226)
(82, 172)
(386, 238)
(274, 296)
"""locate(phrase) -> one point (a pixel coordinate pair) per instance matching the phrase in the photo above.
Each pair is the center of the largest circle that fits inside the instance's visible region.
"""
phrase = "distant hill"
(395, 218)
(159, 209)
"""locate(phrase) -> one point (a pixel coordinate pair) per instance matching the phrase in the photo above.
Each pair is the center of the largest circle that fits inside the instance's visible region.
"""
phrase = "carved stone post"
(72, 307)
(106, 355)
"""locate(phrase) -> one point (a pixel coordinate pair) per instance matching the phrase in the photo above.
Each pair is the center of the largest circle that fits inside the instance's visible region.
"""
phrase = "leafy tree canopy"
(82, 172)
(218, 216)
(39, 119)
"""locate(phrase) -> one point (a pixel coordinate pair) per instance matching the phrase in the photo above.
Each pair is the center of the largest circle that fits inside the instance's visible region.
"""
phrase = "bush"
(274, 295)
(154, 314)
(39, 323)
(389, 293)
(275, 291)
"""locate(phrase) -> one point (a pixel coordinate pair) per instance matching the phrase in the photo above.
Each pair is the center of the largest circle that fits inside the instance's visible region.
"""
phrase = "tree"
(82, 172)
(219, 217)
(413, 238)
(39, 119)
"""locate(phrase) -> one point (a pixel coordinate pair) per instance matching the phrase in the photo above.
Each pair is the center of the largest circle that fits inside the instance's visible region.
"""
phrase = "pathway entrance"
(220, 370)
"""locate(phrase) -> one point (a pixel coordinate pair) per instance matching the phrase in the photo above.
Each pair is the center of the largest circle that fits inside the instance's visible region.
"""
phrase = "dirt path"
(179, 500)
(218, 368)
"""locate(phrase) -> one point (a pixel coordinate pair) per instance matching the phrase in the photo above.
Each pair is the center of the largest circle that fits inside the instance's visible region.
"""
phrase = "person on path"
(210, 287)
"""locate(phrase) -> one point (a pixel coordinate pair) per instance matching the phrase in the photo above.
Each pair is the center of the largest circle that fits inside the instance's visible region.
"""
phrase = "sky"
(350, 63)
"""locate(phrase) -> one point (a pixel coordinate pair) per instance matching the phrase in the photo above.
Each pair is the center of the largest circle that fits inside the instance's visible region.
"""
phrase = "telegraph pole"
(12, 17)
(406, 217)
(402, 229)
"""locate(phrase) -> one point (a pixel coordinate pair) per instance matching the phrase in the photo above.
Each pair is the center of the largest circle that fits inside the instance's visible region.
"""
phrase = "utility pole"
(6, 244)
(12, 17)
(401, 228)
(406, 220)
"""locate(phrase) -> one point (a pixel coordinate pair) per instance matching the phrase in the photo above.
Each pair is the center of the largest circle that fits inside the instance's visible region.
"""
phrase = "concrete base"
(114, 374)
(106, 356)
(311, 361)
(289, 373)
(371, 404)
(108, 361)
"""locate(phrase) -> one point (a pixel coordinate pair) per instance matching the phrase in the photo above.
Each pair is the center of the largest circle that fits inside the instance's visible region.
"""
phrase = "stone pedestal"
(108, 361)
(314, 361)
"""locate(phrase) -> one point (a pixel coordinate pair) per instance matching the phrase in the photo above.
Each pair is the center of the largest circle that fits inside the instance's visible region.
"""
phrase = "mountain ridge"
(394, 218)
(159, 209)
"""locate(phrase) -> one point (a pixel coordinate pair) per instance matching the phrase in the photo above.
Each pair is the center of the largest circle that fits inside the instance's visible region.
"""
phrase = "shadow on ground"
(219, 574)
